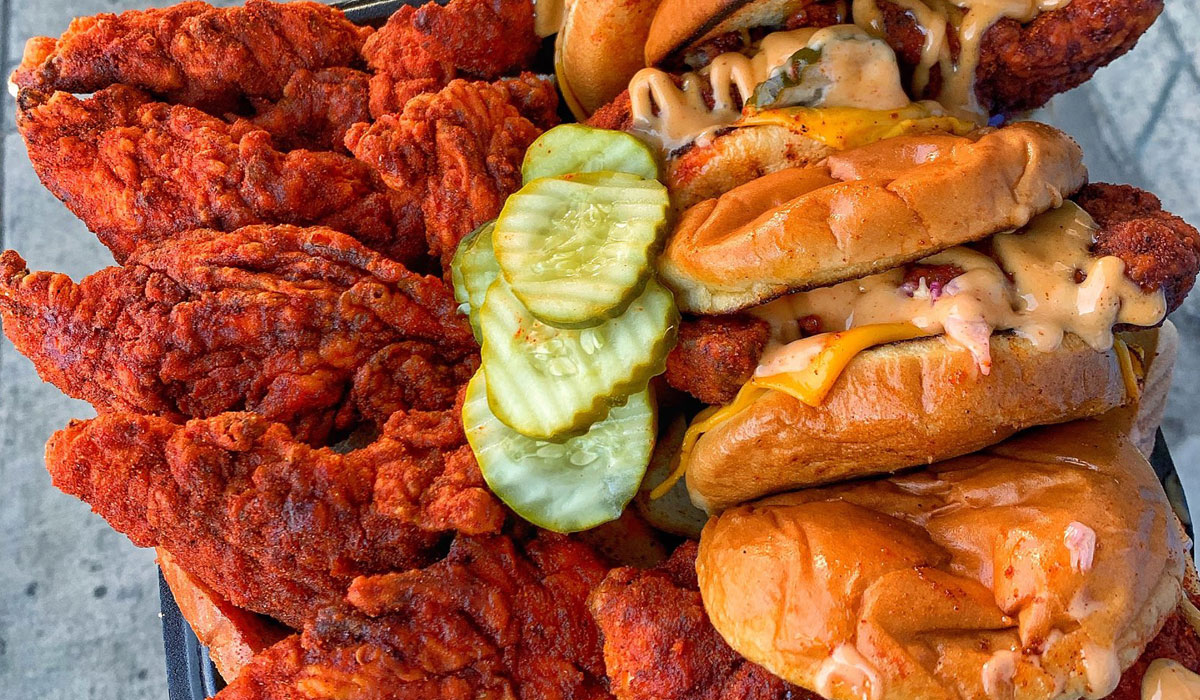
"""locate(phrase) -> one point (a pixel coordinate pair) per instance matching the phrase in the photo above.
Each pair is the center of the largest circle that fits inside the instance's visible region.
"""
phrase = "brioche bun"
(1038, 569)
(865, 210)
(681, 24)
(598, 49)
(900, 405)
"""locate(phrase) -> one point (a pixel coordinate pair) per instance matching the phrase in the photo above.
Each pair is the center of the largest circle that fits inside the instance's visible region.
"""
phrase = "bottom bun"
(1038, 569)
(896, 406)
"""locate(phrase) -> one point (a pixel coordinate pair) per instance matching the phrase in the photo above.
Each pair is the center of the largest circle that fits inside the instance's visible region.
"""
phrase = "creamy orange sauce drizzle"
(860, 71)
(969, 20)
(1169, 680)
(1041, 302)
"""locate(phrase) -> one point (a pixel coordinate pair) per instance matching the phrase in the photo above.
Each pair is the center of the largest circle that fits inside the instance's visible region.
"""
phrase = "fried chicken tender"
(716, 355)
(535, 98)
(232, 636)
(269, 523)
(304, 326)
(660, 645)
(316, 109)
(422, 49)
(494, 619)
(193, 53)
(1160, 250)
(460, 149)
(138, 171)
(1021, 66)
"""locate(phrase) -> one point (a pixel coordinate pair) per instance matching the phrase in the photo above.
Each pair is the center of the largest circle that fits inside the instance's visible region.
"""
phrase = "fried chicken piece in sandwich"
(1178, 641)
(1023, 65)
(304, 326)
(138, 171)
(495, 618)
(459, 150)
(716, 355)
(193, 53)
(421, 49)
(269, 523)
(660, 645)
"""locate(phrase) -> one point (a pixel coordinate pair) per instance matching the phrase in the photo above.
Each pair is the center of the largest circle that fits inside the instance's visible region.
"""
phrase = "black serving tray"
(192, 676)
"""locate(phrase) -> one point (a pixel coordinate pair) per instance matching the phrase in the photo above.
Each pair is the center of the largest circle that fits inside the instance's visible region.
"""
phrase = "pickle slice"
(576, 249)
(473, 270)
(575, 148)
(551, 383)
(567, 487)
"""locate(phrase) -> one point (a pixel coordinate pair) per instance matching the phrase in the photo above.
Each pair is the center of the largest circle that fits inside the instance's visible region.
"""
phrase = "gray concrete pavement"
(78, 603)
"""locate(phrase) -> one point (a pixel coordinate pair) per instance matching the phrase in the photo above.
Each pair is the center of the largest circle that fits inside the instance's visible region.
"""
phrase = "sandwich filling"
(790, 77)
(968, 21)
(802, 72)
(1040, 283)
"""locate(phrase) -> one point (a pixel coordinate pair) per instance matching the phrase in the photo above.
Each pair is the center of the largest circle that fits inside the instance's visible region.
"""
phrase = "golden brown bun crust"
(683, 23)
(979, 570)
(600, 47)
(865, 210)
(900, 405)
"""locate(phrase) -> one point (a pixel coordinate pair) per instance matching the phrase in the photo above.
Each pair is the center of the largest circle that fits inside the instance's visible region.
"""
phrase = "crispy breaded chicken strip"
(269, 523)
(494, 619)
(194, 53)
(316, 109)
(660, 645)
(422, 49)
(1021, 66)
(1160, 250)
(459, 150)
(303, 326)
(716, 355)
(138, 171)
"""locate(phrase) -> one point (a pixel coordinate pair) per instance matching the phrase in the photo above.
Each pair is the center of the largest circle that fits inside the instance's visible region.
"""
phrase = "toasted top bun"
(900, 405)
(599, 48)
(865, 210)
(681, 24)
(1038, 569)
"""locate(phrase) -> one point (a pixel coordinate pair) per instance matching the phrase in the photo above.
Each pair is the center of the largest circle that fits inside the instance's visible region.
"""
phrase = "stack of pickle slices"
(561, 293)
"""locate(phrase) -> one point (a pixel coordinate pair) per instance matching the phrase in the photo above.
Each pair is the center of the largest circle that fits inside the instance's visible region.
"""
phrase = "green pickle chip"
(473, 270)
(575, 148)
(551, 383)
(577, 249)
(569, 486)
